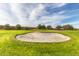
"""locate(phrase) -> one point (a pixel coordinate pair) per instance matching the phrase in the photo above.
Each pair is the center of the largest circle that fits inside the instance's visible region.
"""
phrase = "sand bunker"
(43, 37)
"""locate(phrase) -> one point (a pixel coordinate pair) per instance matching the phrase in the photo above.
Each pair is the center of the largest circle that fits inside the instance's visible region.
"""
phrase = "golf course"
(10, 46)
(39, 29)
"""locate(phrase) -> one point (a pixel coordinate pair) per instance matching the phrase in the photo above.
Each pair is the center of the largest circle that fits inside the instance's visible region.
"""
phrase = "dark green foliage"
(18, 27)
(49, 27)
(59, 27)
(41, 26)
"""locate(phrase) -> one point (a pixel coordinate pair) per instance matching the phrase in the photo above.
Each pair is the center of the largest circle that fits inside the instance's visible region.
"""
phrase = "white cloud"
(54, 18)
(18, 12)
(57, 5)
(34, 15)
(61, 12)
(5, 17)
(36, 12)
(25, 15)
(61, 4)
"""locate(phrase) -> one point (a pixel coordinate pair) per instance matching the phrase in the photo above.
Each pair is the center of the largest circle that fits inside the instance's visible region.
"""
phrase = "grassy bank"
(9, 46)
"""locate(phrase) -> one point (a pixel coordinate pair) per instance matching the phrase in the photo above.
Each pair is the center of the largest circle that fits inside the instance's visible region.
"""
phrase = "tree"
(58, 27)
(68, 27)
(7, 26)
(49, 27)
(41, 26)
(18, 27)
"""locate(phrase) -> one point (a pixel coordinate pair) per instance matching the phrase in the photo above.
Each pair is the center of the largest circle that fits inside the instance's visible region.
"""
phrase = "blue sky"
(32, 14)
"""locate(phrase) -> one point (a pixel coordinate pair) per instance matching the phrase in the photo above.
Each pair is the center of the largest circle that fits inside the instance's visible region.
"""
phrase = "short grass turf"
(10, 46)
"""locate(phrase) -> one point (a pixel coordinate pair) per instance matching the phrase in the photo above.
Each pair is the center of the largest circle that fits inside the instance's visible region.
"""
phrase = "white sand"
(43, 37)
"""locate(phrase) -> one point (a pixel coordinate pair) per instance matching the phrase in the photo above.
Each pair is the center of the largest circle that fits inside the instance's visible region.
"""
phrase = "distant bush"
(7, 27)
(58, 27)
(49, 27)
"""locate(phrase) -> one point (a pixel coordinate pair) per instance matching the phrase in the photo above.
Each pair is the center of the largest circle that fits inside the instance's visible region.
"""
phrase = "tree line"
(59, 27)
(19, 27)
(16, 27)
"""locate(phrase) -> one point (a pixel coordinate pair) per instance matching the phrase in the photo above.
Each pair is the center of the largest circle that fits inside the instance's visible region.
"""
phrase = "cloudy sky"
(32, 14)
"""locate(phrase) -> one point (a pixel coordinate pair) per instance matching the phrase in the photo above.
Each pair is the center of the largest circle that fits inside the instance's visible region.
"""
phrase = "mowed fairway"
(10, 46)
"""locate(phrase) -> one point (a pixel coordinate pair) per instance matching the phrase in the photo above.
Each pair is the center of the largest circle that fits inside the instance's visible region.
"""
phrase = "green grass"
(9, 46)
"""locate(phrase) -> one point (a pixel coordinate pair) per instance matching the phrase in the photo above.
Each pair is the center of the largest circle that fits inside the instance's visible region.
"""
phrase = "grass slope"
(9, 46)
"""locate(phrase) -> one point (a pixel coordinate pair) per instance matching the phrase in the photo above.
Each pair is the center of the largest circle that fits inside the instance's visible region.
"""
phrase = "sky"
(32, 14)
